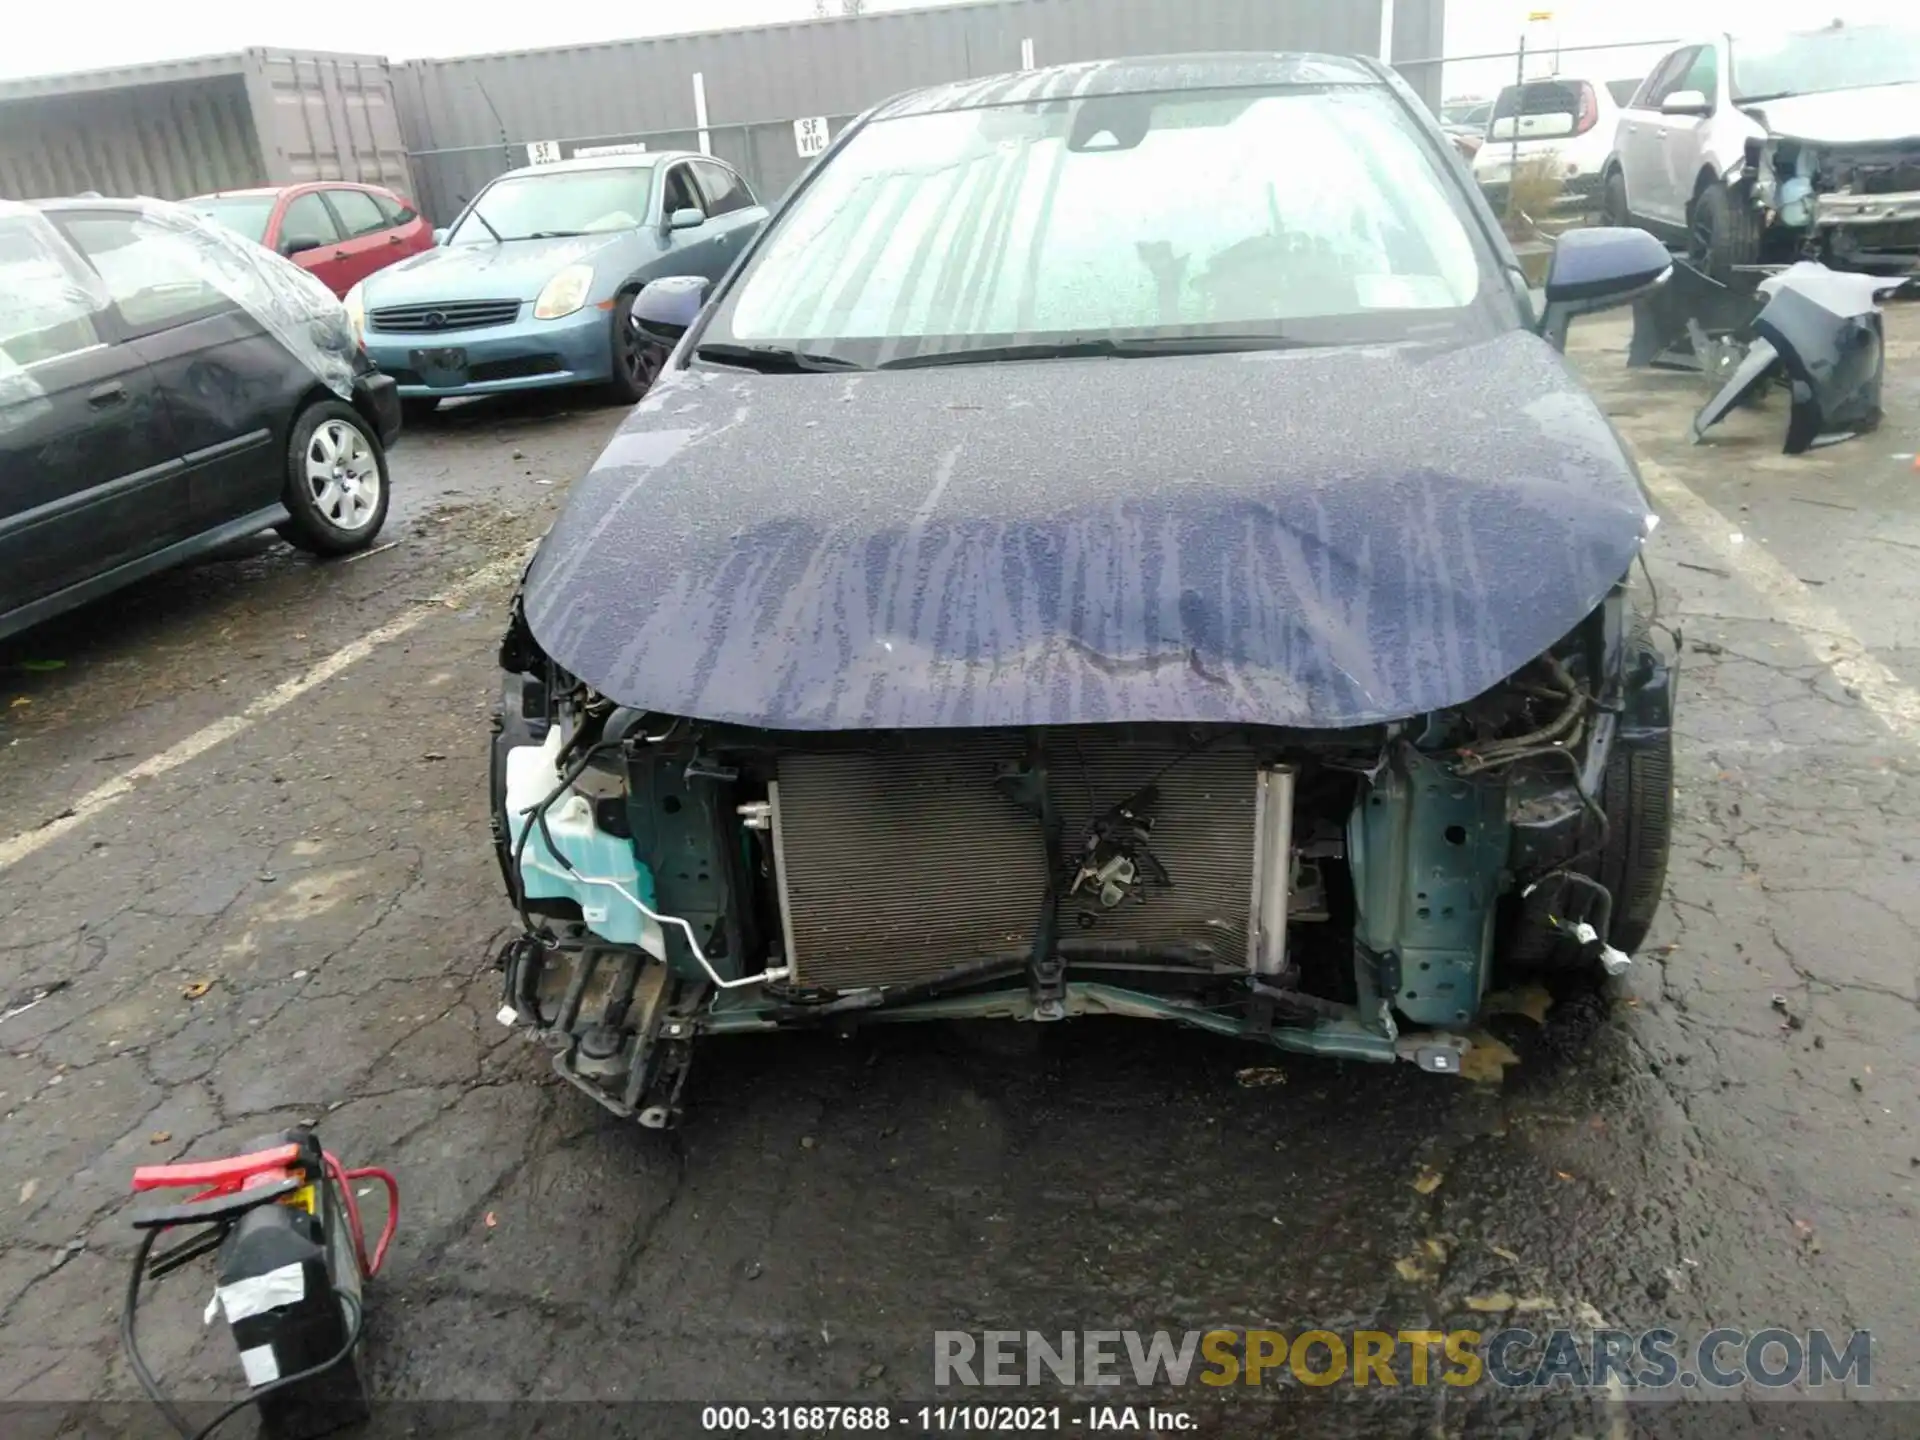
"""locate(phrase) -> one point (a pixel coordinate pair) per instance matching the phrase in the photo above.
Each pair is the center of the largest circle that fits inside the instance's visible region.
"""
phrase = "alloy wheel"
(343, 475)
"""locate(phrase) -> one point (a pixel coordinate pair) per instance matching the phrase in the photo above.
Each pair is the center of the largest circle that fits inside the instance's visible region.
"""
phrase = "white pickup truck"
(1768, 150)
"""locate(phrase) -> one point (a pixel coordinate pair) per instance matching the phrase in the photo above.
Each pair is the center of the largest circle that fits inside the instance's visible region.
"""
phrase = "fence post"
(1513, 148)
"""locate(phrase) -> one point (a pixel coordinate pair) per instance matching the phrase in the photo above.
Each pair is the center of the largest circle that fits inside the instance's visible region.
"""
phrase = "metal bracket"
(1436, 1054)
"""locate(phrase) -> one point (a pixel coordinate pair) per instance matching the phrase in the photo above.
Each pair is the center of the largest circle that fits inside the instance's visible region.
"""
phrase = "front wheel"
(636, 360)
(1636, 793)
(336, 493)
(1722, 233)
(1613, 201)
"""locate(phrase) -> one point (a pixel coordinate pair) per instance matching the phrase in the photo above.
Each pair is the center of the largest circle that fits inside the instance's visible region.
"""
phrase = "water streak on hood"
(1315, 538)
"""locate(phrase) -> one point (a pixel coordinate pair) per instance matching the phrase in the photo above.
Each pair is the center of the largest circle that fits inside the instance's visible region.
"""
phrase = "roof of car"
(1133, 76)
(86, 202)
(627, 160)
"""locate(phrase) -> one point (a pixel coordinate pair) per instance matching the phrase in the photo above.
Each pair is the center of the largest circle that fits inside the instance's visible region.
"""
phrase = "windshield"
(1843, 58)
(577, 202)
(1306, 214)
(246, 214)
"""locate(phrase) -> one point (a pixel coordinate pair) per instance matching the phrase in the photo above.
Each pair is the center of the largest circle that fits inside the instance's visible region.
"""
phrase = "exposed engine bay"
(1340, 892)
(1853, 206)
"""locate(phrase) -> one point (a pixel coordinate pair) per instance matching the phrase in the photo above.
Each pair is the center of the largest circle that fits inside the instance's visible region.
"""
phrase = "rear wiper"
(1107, 348)
(775, 359)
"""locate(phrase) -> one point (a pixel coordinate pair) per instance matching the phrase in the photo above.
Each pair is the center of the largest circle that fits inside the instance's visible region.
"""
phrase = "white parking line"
(89, 805)
(1894, 703)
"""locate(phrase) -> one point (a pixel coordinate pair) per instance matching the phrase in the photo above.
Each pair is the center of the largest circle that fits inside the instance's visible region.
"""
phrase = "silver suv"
(1770, 149)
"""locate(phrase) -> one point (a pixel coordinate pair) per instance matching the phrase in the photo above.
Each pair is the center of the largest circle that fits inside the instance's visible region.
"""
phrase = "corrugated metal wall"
(169, 140)
(329, 117)
(251, 118)
(466, 120)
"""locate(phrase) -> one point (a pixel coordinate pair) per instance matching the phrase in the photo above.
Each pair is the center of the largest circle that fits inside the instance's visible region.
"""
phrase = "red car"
(341, 232)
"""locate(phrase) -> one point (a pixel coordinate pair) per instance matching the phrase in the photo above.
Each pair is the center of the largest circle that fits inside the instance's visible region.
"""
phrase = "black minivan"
(165, 391)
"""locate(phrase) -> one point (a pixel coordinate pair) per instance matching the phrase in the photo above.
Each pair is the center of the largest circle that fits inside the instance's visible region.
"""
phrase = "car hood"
(1846, 117)
(516, 269)
(1317, 538)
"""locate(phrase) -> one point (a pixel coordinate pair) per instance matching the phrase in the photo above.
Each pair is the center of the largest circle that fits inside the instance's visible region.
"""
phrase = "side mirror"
(1686, 102)
(439, 234)
(291, 245)
(1598, 269)
(686, 218)
(665, 308)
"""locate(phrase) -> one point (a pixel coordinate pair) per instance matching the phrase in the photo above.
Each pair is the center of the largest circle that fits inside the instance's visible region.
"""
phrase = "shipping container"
(761, 98)
(179, 128)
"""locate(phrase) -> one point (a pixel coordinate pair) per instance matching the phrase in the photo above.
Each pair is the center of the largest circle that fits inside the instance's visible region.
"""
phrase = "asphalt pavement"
(246, 870)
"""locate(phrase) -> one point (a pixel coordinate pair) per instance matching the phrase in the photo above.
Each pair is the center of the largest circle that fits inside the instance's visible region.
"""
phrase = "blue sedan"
(531, 287)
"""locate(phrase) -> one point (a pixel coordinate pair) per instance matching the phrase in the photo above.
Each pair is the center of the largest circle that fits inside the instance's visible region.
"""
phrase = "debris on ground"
(1255, 1077)
(195, 989)
(1487, 1059)
(33, 998)
(1532, 1001)
(1428, 1180)
(1821, 333)
(1412, 1269)
(1501, 1302)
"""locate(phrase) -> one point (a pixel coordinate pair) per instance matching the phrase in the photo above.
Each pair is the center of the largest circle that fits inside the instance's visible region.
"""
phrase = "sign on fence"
(810, 134)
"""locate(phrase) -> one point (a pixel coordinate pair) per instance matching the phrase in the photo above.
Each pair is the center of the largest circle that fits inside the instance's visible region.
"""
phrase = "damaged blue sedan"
(1122, 541)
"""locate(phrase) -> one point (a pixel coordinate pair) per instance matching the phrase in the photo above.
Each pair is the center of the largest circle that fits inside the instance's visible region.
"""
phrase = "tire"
(337, 490)
(1632, 864)
(636, 361)
(417, 408)
(1722, 232)
(1637, 795)
(1613, 200)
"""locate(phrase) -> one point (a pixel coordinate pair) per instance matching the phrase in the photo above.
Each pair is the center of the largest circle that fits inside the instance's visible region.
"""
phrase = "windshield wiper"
(476, 215)
(774, 359)
(1105, 348)
(554, 235)
(1762, 99)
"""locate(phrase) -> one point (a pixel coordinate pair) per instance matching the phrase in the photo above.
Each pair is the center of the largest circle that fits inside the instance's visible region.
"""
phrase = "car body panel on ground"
(467, 318)
(335, 230)
(145, 415)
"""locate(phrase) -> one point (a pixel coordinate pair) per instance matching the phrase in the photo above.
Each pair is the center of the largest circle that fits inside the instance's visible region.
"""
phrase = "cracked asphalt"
(299, 922)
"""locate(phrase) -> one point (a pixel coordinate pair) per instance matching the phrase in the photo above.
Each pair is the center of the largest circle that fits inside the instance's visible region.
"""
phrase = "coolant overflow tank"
(605, 880)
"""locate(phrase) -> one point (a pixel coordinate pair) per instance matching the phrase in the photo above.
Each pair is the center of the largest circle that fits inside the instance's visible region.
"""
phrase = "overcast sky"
(47, 37)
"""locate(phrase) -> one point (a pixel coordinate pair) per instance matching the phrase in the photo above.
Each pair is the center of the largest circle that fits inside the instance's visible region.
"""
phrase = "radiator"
(897, 866)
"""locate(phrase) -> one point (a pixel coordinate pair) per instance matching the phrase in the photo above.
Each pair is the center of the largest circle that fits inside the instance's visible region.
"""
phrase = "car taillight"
(1589, 110)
